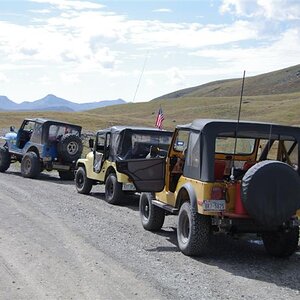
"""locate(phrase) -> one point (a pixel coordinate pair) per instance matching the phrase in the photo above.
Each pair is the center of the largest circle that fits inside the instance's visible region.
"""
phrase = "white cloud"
(45, 80)
(188, 35)
(258, 59)
(3, 78)
(82, 38)
(150, 82)
(105, 58)
(40, 11)
(270, 9)
(70, 78)
(175, 76)
(162, 10)
(71, 4)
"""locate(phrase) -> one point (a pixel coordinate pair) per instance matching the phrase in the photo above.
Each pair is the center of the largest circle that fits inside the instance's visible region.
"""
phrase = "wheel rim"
(145, 209)
(27, 165)
(72, 148)
(184, 227)
(109, 189)
(80, 180)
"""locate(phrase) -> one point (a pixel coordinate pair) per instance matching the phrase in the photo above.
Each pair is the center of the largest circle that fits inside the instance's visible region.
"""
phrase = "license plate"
(128, 187)
(214, 205)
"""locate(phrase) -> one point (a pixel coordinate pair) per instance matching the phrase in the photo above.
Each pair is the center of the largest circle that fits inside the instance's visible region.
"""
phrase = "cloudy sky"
(137, 50)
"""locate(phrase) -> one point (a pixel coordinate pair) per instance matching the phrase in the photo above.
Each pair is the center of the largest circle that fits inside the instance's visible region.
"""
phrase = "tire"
(66, 175)
(152, 217)
(4, 159)
(270, 193)
(113, 190)
(69, 148)
(30, 165)
(83, 184)
(193, 231)
(281, 243)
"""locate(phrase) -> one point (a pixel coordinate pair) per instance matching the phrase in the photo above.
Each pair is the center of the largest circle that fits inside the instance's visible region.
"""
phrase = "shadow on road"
(44, 176)
(170, 234)
(131, 202)
(244, 257)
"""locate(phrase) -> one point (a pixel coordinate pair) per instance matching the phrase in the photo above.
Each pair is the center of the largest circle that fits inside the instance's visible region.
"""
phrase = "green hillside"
(275, 107)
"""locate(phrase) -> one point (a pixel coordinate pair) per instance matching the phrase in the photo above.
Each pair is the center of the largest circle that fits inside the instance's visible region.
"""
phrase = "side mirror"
(91, 143)
(12, 128)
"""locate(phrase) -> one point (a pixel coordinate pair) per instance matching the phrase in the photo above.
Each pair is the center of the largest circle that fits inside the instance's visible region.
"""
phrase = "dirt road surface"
(58, 244)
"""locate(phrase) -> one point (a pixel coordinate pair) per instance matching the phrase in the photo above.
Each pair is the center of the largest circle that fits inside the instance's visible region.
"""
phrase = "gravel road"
(58, 244)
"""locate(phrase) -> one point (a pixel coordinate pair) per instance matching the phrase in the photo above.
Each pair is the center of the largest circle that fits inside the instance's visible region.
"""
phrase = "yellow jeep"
(117, 142)
(224, 176)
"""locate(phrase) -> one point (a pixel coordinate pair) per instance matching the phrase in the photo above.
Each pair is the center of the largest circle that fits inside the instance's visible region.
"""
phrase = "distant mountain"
(54, 103)
(7, 104)
(278, 82)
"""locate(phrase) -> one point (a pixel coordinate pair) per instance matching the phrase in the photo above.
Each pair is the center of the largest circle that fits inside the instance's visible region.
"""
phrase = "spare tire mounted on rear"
(271, 192)
(69, 147)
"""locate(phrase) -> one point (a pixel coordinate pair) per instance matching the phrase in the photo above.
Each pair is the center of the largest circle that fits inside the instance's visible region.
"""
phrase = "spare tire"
(69, 147)
(271, 192)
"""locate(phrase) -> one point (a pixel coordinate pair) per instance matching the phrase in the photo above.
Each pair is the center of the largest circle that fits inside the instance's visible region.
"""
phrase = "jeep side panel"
(148, 175)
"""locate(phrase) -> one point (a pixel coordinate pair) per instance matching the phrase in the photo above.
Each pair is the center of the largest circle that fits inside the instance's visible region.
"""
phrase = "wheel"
(30, 165)
(66, 175)
(152, 217)
(4, 159)
(113, 190)
(69, 147)
(193, 231)
(281, 243)
(83, 184)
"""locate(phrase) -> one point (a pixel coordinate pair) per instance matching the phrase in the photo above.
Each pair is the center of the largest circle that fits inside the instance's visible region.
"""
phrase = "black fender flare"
(34, 149)
(187, 188)
(110, 170)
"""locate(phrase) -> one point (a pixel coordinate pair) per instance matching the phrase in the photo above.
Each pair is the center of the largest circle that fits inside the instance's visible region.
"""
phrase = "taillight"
(217, 193)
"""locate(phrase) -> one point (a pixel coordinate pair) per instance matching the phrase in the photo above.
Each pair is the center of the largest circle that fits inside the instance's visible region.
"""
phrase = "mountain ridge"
(281, 81)
(54, 103)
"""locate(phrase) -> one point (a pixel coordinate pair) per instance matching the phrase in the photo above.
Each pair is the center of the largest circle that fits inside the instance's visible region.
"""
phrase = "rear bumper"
(248, 225)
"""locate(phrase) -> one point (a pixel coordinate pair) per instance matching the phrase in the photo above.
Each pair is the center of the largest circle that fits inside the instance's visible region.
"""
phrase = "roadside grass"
(283, 109)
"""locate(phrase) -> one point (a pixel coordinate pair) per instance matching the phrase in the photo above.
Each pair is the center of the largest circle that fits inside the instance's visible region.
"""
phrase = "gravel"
(58, 244)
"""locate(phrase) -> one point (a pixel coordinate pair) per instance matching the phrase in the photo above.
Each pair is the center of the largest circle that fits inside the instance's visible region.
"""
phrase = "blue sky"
(95, 50)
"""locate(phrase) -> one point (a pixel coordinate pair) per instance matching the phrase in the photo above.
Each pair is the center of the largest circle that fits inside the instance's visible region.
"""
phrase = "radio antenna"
(139, 81)
(237, 126)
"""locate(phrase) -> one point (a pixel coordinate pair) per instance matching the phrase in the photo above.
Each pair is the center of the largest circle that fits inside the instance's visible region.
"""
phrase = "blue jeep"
(42, 144)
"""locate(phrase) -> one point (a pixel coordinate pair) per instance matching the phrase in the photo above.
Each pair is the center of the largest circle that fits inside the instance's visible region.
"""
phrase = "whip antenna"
(237, 126)
(139, 81)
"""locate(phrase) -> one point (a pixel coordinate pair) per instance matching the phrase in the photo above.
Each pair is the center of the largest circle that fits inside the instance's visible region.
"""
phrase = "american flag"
(159, 119)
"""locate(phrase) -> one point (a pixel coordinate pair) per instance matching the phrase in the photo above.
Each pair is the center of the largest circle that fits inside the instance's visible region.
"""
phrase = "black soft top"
(214, 127)
(205, 132)
(45, 121)
(119, 128)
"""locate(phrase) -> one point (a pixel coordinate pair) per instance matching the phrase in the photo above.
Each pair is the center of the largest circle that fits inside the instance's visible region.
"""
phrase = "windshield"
(137, 144)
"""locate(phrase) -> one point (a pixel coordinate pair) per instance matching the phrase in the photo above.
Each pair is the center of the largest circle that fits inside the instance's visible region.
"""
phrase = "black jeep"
(221, 176)
(118, 143)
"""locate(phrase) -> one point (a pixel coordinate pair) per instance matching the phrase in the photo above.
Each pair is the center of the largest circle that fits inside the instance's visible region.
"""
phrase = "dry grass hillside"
(281, 108)
(278, 82)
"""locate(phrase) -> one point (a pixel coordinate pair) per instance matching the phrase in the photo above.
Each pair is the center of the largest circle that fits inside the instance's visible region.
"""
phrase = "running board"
(166, 207)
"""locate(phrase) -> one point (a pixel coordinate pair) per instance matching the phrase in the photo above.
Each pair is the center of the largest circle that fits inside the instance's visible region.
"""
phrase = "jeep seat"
(219, 169)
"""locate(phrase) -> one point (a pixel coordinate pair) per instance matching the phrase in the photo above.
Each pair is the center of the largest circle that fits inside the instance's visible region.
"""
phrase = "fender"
(187, 187)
